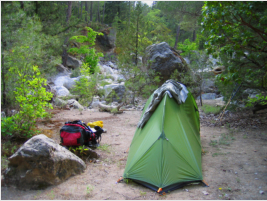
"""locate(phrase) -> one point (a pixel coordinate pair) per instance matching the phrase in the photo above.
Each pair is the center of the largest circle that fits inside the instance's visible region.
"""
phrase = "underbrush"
(209, 109)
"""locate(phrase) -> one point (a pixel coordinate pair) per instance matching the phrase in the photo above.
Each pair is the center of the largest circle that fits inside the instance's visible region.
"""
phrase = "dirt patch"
(234, 163)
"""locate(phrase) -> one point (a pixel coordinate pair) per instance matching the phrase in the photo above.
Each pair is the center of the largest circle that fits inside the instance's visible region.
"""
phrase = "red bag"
(75, 133)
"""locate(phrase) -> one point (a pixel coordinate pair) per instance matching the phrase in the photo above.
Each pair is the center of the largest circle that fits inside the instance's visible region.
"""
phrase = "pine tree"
(130, 45)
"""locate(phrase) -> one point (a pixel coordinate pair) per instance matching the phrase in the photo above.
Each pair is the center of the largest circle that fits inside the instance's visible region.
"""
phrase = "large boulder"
(164, 60)
(61, 91)
(41, 162)
(107, 40)
(114, 92)
(207, 96)
(62, 69)
(73, 63)
(60, 103)
(75, 104)
(208, 86)
(66, 81)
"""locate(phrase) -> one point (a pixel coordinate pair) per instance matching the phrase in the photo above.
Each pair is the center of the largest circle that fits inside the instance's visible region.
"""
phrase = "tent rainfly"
(165, 153)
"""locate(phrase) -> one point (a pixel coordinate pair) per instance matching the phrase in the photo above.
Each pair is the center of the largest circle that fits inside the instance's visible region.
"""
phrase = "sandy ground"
(234, 164)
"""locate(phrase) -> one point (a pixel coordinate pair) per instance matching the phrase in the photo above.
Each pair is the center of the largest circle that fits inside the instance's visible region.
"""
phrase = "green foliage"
(104, 147)
(8, 148)
(261, 99)
(209, 109)
(23, 42)
(4, 162)
(187, 47)
(89, 190)
(237, 33)
(8, 126)
(79, 151)
(132, 40)
(86, 43)
(85, 87)
(32, 98)
(157, 29)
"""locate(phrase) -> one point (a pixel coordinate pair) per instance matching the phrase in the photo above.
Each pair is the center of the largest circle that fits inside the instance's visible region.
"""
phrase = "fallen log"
(109, 108)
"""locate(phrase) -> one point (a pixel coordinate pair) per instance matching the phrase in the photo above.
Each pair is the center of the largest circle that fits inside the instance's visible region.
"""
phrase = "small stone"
(261, 192)
(256, 178)
(205, 192)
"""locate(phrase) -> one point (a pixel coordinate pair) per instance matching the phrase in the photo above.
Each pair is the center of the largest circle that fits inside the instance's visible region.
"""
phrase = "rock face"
(114, 92)
(41, 162)
(75, 104)
(62, 69)
(207, 96)
(164, 59)
(61, 91)
(208, 86)
(108, 39)
(73, 63)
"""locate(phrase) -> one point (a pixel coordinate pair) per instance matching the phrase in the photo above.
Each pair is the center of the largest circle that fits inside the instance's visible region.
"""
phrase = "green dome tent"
(165, 152)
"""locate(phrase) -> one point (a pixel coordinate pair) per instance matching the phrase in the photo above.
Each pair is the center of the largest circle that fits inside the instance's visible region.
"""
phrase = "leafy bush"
(187, 47)
(32, 98)
(209, 109)
(91, 56)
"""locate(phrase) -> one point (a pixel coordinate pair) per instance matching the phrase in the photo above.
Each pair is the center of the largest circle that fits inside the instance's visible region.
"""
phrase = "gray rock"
(3, 114)
(107, 69)
(95, 102)
(71, 82)
(66, 81)
(62, 69)
(41, 162)
(114, 92)
(61, 91)
(13, 112)
(164, 60)
(208, 86)
(112, 65)
(207, 96)
(59, 102)
(251, 93)
(73, 63)
(220, 99)
(108, 39)
(75, 104)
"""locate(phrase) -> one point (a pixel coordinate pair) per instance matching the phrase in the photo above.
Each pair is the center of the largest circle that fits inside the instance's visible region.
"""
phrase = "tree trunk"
(65, 54)
(68, 12)
(81, 10)
(194, 35)
(119, 9)
(129, 15)
(91, 12)
(98, 12)
(137, 30)
(103, 13)
(22, 5)
(3, 90)
(86, 9)
(36, 7)
(177, 36)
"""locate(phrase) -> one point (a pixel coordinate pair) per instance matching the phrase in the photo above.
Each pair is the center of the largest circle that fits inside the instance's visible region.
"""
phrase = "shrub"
(209, 109)
(32, 98)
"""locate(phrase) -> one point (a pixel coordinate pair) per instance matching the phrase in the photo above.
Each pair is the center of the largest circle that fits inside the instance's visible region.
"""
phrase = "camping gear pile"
(77, 133)
(165, 153)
